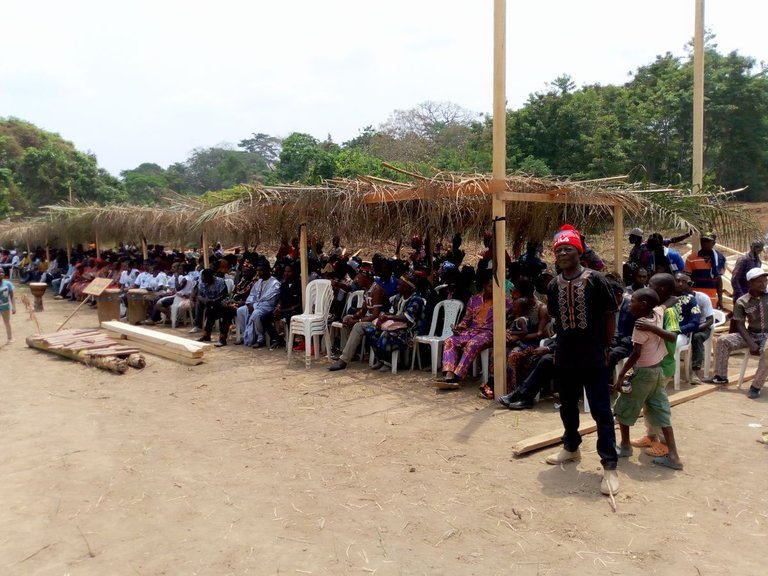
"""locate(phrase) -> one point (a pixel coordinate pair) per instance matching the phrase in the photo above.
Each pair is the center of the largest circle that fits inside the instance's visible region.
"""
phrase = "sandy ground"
(249, 465)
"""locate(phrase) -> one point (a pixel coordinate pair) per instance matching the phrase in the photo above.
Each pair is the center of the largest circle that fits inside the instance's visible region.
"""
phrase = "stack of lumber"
(158, 343)
(91, 347)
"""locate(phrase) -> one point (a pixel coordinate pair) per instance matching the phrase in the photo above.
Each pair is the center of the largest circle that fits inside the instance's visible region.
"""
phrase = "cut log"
(110, 363)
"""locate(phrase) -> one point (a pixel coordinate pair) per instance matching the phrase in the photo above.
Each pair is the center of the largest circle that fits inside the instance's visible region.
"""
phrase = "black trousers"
(570, 381)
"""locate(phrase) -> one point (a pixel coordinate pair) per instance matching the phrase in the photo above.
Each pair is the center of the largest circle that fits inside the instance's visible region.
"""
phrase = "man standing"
(744, 264)
(583, 307)
(357, 323)
(706, 269)
(750, 313)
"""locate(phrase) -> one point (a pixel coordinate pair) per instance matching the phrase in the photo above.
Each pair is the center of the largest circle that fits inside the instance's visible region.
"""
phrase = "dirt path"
(245, 465)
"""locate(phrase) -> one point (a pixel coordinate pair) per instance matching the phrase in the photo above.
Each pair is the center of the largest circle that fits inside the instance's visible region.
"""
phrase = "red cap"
(568, 235)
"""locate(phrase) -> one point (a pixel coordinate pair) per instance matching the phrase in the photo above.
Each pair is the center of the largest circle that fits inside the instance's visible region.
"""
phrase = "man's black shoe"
(520, 405)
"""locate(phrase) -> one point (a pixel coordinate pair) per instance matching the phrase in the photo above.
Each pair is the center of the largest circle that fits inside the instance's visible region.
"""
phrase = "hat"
(755, 273)
(636, 232)
(366, 270)
(708, 236)
(570, 236)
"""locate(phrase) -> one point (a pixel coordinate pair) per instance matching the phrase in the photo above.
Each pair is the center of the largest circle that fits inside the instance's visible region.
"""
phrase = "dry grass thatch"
(371, 209)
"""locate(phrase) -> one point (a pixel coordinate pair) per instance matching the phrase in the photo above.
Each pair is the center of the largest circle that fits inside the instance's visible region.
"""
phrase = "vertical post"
(499, 185)
(206, 259)
(69, 251)
(96, 242)
(304, 262)
(698, 100)
(144, 249)
(47, 252)
(618, 238)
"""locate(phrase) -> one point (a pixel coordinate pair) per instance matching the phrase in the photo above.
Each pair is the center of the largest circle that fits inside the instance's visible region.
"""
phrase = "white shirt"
(705, 305)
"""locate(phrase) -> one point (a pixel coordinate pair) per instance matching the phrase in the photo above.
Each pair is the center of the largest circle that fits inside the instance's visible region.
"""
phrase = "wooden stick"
(67, 319)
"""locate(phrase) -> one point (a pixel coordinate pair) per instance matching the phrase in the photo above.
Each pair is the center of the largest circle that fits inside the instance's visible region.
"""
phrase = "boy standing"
(648, 382)
(7, 303)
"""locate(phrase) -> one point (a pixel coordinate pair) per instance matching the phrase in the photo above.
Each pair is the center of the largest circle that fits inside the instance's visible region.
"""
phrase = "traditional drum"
(137, 307)
(38, 289)
(108, 305)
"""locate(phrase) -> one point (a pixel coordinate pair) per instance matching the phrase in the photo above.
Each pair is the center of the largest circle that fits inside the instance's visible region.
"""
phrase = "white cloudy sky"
(149, 80)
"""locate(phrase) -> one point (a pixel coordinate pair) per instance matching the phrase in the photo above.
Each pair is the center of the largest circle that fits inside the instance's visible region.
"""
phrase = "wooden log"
(110, 363)
(551, 438)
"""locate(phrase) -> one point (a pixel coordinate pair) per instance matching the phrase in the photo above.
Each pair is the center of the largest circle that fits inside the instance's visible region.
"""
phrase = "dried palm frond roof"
(373, 208)
(376, 208)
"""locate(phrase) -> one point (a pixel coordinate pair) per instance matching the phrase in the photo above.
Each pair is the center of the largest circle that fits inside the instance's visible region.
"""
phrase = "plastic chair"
(719, 320)
(683, 345)
(451, 309)
(181, 309)
(484, 359)
(354, 299)
(313, 322)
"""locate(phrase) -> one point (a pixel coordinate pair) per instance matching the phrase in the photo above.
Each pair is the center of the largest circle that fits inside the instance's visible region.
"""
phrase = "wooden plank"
(551, 438)
(180, 352)
(165, 353)
(618, 239)
(154, 337)
(97, 286)
(553, 198)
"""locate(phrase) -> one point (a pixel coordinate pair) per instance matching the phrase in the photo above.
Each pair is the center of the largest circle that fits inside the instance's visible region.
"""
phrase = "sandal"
(485, 392)
(448, 385)
(643, 442)
(666, 462)
(657, 449)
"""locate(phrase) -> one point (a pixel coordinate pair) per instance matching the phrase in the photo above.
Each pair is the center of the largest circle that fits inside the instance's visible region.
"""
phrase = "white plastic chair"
(484, 359)
(354, 299)
(181, 309)
(451, 311)
(719, 320)
(683, 344)
(313, 322)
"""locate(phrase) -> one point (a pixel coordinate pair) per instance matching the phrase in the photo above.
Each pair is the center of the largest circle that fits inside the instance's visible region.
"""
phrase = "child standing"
(648, 382)
(7, 303)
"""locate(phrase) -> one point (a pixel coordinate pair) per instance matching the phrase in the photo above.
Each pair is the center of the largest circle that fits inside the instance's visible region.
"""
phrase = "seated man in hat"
(261, 300)
(706, 269)
(356, 323)
(750, 313)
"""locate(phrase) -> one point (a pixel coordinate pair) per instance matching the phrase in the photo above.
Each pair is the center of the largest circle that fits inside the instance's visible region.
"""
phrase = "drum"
(38, 289)
(137, 307)
(108, 305)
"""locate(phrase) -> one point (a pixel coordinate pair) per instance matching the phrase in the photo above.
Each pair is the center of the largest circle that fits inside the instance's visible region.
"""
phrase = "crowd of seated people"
(255, 295)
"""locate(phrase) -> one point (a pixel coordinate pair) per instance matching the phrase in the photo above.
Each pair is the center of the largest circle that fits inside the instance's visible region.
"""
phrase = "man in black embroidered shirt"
(583, 307)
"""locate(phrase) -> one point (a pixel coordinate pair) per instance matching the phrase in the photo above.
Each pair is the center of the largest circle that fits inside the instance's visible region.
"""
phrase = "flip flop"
(657, 449)
(643, 442)
(665, 461)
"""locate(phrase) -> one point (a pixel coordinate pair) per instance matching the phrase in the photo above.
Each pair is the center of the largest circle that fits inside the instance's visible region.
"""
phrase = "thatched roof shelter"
(374, 209)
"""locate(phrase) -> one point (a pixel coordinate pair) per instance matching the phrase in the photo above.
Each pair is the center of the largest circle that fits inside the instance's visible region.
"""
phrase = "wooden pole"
(69, 251)
(144, 249)
(698, 100)
(618, 238)
(498, 185)
(47, 252)
(304, 262)
(98, 248)
(206, 259)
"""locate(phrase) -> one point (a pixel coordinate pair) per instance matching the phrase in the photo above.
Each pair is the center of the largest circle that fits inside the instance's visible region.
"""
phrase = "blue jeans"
(569, 382)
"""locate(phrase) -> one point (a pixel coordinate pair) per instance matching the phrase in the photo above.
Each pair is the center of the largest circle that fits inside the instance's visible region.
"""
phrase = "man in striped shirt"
(706, 268)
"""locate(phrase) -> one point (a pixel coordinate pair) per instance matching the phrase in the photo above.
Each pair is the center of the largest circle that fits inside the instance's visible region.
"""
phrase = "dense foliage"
(643, 128)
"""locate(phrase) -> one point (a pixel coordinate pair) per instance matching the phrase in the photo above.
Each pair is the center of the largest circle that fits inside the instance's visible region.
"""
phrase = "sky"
(150, 80)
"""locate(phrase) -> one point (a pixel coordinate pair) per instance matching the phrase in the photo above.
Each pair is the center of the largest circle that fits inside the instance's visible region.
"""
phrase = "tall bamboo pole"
(697, 178)
(144, 249)
(98, 247)
(498, 184)
(69, 251)
(698, 99)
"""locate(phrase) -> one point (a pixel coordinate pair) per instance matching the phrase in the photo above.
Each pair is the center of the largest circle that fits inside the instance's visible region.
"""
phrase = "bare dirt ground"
(248, 465)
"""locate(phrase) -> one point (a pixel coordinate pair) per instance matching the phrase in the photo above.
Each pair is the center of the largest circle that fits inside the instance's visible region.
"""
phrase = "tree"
(266, 146)
(304, 159)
